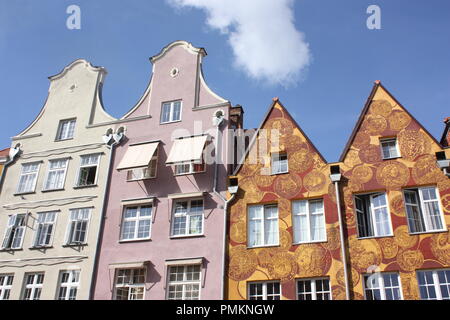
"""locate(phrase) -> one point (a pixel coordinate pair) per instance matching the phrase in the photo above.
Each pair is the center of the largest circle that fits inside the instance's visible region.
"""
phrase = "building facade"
(284, 233)
(163, 232)
(396, 205)
(53, 191)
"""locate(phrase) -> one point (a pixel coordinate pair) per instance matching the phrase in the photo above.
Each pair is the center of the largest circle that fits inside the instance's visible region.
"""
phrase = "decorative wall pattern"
(307, 178)
(367, 172)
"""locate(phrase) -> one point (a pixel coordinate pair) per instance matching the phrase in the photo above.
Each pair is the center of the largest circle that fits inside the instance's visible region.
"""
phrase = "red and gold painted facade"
(308, 178)
(367, 172)
(364, 171)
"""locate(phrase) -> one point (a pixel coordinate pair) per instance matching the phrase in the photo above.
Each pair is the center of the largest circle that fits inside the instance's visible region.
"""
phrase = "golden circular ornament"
(301, 160)
(396, 205)
(370, 154)
(265, 255)
(392, 174)
(425, 169)
(389, 247)
(284, 207)
(374, 124)
(238, 232)
(352, 158)
(440, 247)
(362, 139)
(287, 186)
(340, 277)
(284, 127)
(403, 238)
(242, 264)
(314, 181)
(313, 260)
(445, 200)
(398, 120)
(333, 238)
(237, 212)
(380, 108)
(364, 253)
(362, 174)
(413, 144)
(410, 260)
(283, 266)
(263, 181)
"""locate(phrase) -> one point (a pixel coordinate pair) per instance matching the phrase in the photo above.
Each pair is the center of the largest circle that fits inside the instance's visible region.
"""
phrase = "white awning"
(185, 195)
(187, 150)
(138, 156)
(178, 262)
(128, 265)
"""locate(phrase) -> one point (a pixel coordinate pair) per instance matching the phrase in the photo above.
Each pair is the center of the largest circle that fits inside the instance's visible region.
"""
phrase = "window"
(6, 281)
(130, 284)
(146, 172)
(87, 175)
(14, 232)
(56, 174)
(373, 215)
(78, 225)
(423, 210)
(264, 291)
(382, 286)
(189, 168)
(263, 225)
(28, 177)
(184, 282)
(171, 111)
(69, 281)
(44, 229)
(33, 286)
(136, 223)
(434, 284)
(279, 163)
(389, 148)
(313, 289)
(66, 129)
(308, 221)
(187, 218)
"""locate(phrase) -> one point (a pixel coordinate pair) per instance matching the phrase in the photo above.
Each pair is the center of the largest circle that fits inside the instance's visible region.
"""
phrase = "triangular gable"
(378, 86)
(276, 104)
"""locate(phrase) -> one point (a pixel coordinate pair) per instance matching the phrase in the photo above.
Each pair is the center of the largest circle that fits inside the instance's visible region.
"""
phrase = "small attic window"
(66, 129)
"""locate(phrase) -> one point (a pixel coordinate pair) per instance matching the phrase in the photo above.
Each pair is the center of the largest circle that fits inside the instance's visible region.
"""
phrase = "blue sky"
(410, 55)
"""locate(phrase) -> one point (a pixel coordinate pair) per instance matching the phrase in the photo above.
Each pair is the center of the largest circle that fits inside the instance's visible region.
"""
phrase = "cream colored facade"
(75, 93)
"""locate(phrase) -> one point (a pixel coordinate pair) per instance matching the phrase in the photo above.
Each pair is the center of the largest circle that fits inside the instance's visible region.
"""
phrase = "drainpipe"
(225, 207)
(117, 138)
(12, 154)
(335, 178)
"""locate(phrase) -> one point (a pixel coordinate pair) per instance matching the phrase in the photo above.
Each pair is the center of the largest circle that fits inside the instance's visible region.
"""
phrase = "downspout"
(341, 231)
(12, 154)
(117, 138)
(225, 211)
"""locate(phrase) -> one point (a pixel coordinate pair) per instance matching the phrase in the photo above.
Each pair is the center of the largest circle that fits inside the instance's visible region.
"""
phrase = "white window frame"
(373, 227)
(308, 215)
(46, 225)
(97, 165)
(277, 164)
(184, 283)
(49, 170)
(382, 286)
(13, 227)
(436, 284)
(136, 219)
(191, 168)
(313, 291)
(188, 214)
(264, 287)
(421, 206)
(145, 172)
(5, 288)
(130, 285)
(69, 284)
(22, 174)
(263, 226)
(70, 129)
(171, 112)
(33, 286)
(77, 221)
(388, 140)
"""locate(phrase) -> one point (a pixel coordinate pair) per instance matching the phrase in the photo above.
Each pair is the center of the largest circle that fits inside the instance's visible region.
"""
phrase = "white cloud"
(262, 35)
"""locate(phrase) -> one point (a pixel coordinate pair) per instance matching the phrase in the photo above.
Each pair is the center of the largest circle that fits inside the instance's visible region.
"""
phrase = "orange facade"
(387, 246)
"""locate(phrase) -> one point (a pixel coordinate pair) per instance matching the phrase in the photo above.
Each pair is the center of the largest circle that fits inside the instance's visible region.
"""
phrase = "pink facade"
(177, 76)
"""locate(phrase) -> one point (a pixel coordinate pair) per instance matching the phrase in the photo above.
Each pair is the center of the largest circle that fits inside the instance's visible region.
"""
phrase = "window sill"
(62, 140)
(133, 180)
(50, 190)
(264, 246)
(278, 173)
(40, 247)
(68, 245)
(11, 249)
(186, 174)
(427, 232)
(169, 122)
(134, 240)
(83, 187)
(375, 237)
(393, 158)
(307, 242)
(24, 193)
(188, 236)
